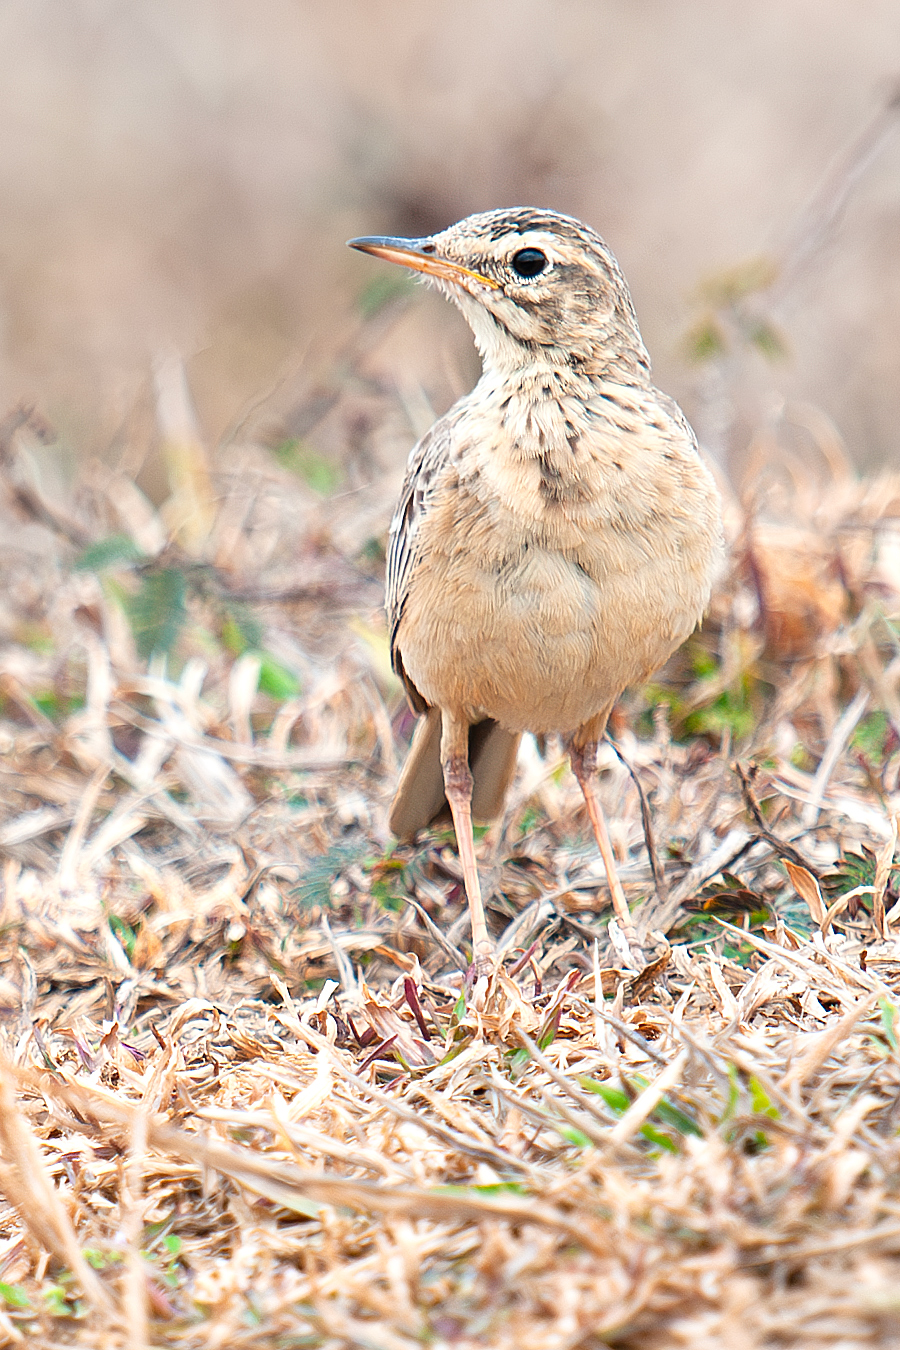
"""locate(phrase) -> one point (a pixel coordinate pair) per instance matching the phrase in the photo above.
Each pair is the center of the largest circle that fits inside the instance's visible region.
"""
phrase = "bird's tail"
(420, 800)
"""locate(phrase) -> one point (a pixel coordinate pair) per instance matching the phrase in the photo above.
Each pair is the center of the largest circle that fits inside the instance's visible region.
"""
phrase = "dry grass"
(244, 1099)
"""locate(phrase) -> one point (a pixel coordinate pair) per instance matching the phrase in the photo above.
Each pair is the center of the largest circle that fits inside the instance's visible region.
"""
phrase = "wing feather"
(427, 460)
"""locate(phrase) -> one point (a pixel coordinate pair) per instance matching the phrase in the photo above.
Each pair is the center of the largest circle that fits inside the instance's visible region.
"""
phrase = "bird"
(557, 534)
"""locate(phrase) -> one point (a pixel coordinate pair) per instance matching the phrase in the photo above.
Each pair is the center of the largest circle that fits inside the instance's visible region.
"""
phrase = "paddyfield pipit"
(557, 533)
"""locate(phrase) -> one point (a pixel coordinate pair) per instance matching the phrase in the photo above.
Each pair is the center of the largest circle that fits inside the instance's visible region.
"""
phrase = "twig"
(630, 1034)
(30, 1189)
(824, 210)
(599, 1137)
(297, 1188)
(449, 950)
(774, 1245)
(843, 730)
(348, 979)
(825, 1044)
(484, 1152)
(659, 876)
(784, 849)
(134, 1311)
(648, 1100)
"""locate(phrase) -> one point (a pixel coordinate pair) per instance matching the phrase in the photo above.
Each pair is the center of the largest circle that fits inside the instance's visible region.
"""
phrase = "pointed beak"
(422, 256)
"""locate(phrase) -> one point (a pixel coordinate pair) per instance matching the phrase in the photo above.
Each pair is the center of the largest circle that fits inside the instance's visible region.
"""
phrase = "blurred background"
(207, 400)
(182, 176)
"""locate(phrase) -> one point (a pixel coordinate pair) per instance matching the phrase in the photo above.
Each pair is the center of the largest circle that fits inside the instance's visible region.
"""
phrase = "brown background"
(186, 172)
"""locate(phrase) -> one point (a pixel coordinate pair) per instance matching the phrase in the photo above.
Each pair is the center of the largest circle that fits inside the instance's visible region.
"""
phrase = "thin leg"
(584, 767)
(458, 787)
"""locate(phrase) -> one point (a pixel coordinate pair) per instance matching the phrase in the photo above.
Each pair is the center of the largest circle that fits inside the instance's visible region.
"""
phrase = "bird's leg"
(584, 766)
(458, 787)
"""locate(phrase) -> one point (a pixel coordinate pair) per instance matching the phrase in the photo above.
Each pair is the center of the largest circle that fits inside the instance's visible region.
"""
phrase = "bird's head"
(534, 286)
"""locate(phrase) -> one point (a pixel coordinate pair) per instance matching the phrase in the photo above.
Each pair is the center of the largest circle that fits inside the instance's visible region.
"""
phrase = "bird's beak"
(421, 256)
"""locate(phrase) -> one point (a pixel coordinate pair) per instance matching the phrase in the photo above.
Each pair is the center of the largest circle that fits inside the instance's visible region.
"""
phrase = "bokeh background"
(183, 174)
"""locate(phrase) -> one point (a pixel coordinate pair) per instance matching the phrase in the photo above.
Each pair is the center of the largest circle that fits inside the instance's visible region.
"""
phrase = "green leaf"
(173, 1244)
(619, 1102)
(14, 1295)
(315, 886)
(802, 759)
(546, 1038)
(153, 1230)
(671, 1115)
(517, 1061)
(57, 1302)
(373, 551)
(766, 338)
(614, 1097)
(501, 1188)
(703, 663)
(101, 1260)
(528, 820)
(734, 1094)
(871, 736)
(661, 1140)
(731, 710)
(573, 1135)
(854, 870)
(706, 339)
(241, 630)
(453, 1189)
(109, 552)
(728, 287)
(322, 475)
(759, 1100)
(383, 890)
(124, 932)
(888, 1021)
(158, 611)
(276, 680)
(454, 1052)
(53, 706)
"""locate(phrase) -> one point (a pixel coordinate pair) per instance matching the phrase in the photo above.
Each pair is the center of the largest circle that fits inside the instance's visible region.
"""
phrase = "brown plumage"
(557, 533)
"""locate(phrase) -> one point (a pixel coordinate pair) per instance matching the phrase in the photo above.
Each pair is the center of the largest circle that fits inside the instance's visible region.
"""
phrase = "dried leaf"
(807, 888)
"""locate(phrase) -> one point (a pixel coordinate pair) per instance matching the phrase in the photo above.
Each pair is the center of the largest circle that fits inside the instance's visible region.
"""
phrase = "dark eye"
(529, 262)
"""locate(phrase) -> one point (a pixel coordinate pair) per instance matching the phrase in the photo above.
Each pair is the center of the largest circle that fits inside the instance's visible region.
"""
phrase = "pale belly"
(537, 644)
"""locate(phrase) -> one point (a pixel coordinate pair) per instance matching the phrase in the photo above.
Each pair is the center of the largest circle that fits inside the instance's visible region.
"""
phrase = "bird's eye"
(529, 262)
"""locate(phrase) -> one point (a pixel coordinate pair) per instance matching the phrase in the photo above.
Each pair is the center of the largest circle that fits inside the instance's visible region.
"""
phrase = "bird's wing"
(423, 471)
(671, 407)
